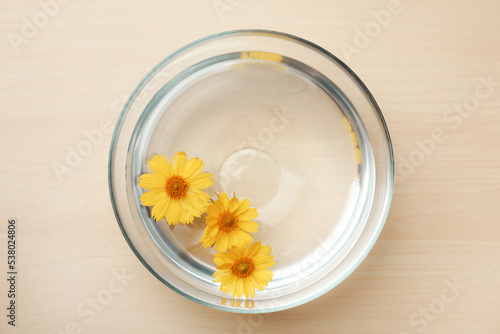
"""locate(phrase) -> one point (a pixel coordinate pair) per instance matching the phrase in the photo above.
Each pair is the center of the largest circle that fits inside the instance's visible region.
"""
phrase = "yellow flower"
(229, 223)
(244, 269)
(175, 189)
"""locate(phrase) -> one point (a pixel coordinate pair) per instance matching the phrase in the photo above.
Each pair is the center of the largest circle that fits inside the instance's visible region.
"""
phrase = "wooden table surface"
(434, 68)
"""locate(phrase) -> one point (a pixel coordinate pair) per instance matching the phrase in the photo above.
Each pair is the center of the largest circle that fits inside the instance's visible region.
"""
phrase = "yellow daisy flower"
(175, 189)
(244, 269)
(229, 223)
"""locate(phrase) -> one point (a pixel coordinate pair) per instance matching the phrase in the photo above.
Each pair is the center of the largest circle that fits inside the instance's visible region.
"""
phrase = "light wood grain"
(444, 223)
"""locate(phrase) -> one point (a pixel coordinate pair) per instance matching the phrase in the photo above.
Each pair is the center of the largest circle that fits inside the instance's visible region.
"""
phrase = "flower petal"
(173, 212)
(246, 288)
(194, 167)
(265, 265)
(264, 262)
(223, 200)
(243, 207)
(263, 274)
(179, 162)
(236, 251)
(238, 288)
(194, 203)
(201, 195)
(248, 226)
(151, 181)
(160, 165)
(249, 214)
(224, 266)
(246, 239)
(213, 210)
(200, 181)
(259, 285)
(218, 259)
(152, 197)
(233, 204)
(186, 216)
(159, 209)
(209, 236)
(254, 249)
(211, 220)
(251, 290)
(222, 243)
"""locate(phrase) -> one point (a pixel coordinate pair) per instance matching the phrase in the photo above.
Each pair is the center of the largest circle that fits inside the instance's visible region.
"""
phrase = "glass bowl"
(277, 120)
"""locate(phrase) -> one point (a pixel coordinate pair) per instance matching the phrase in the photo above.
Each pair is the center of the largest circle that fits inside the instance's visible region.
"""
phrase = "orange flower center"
(176, 187)
(243, 267)
(227, 221)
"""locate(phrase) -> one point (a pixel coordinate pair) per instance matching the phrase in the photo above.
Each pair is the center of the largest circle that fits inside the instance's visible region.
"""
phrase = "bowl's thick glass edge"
(145, 80)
